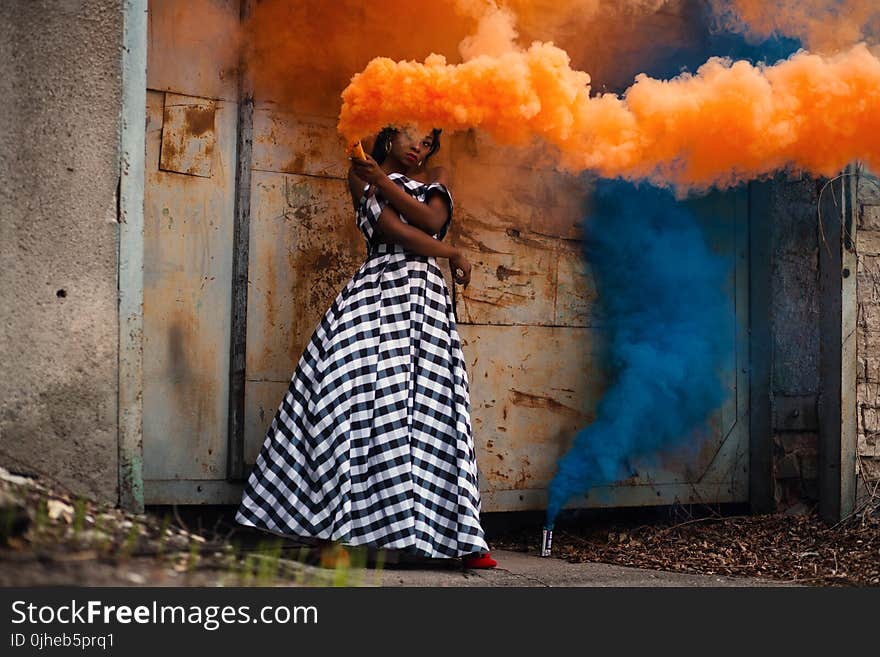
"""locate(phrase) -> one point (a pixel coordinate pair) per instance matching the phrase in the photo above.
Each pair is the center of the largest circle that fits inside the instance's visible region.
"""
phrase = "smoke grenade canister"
(546, 540)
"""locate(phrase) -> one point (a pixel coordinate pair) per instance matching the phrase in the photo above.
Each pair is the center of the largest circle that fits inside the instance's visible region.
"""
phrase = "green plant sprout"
(79, 515)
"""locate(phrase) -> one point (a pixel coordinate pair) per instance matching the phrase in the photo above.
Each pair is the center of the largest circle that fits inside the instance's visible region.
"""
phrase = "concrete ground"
(522, 569)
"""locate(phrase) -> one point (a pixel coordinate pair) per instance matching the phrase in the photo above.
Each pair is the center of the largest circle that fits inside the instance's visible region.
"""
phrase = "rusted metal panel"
(188, 223)
(519, 278)
(289, 143)
(193, 47)
(304, 247)
(533, 387)
(526, 410)
(188, 137)
(510, 188)
(513, 278)
(576, 293)
(521, 227)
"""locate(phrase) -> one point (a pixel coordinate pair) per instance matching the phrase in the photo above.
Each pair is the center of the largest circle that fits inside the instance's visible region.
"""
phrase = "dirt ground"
(797, 548)
(48, 537)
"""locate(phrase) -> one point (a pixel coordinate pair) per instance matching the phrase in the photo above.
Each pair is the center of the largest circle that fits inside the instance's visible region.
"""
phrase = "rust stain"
(323, 261)
(271, 308)
(540, 401)
(296, 165)
(170, 153)
(199, 119)
(477, 245)
(503, 273)
(523, 476)
(517, 235)
(187, 140)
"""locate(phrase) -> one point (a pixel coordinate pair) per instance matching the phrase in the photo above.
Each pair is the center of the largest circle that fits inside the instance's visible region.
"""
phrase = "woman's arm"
(412, 238)
(430, 216)
(416, 241)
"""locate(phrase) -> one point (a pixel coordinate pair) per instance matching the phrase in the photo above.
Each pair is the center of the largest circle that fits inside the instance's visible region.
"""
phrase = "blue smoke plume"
(667, 324)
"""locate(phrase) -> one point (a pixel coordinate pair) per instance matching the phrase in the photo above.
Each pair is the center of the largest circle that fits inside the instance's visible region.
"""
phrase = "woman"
(372, 443)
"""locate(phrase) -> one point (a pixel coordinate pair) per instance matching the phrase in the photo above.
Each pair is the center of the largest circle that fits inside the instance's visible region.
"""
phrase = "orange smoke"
(302, 54)
(821, 25)
(726, 123)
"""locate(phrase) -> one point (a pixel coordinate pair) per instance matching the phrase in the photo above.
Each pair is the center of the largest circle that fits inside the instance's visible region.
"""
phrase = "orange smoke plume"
(727, 123)
(302, 53)
(821, 25)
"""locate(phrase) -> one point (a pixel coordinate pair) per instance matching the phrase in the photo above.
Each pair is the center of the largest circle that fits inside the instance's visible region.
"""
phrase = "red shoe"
(479, 561)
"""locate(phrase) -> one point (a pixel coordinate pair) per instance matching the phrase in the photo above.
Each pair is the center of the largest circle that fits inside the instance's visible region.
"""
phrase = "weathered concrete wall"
(60, 100)
(868, 327)
(794, 339)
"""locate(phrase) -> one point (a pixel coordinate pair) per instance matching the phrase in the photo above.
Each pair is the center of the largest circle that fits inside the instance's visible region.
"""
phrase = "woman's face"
(410, 147)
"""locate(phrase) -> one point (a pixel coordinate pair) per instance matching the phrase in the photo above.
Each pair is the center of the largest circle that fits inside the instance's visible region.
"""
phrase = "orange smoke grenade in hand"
(357, 151)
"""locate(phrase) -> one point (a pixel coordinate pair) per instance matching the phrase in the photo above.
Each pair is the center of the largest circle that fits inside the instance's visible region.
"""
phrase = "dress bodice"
(370, 207)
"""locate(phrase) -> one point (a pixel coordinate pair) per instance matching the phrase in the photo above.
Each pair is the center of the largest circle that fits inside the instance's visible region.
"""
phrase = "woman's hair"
(387, 134)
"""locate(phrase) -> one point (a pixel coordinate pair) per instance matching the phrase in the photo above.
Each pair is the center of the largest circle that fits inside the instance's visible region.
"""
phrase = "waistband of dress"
(384, 247)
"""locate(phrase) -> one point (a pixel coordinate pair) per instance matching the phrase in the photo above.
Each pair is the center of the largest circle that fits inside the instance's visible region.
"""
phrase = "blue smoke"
(667, 324)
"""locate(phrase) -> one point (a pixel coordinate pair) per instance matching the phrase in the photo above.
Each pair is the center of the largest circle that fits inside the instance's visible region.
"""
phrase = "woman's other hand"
(367, 170)
(461, 268)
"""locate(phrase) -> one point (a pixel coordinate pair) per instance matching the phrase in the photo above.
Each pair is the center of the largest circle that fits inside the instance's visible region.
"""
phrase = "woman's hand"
(367, 170)
(459, 263)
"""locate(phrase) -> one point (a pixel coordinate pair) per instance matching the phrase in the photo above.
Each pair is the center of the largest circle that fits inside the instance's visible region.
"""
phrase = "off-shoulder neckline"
(403, 175)
(395, 174)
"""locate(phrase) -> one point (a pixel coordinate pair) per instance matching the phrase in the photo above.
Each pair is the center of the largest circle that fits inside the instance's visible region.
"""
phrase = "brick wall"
(868, 329)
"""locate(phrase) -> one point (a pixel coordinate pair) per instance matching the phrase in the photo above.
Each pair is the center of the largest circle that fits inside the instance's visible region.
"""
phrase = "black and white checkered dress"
(372, 442)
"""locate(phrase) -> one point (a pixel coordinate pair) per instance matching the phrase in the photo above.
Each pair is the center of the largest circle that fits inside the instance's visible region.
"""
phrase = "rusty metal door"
(533, 339)
(304, 246)
(192, 117)
(528, 321)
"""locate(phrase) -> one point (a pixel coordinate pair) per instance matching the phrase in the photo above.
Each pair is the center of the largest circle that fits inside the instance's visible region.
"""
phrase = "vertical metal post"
(131, 254)
(240, 255)
(761, 497)
(837, 364)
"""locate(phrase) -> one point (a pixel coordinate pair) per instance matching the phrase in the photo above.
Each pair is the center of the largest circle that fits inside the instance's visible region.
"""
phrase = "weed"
(194, 555)
(79, 515)
(163, 537)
